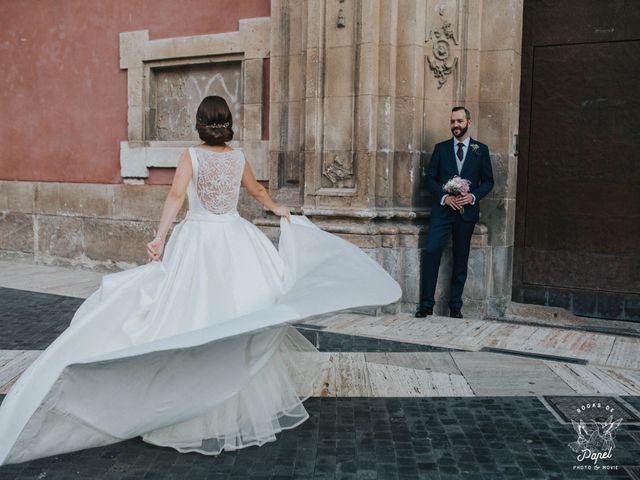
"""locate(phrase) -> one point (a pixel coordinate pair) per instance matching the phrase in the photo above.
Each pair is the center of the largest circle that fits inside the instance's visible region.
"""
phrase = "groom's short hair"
(467, 113)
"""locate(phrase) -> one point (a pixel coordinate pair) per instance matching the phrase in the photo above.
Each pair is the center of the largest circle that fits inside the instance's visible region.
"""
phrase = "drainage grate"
(542, 356)
(568, 408)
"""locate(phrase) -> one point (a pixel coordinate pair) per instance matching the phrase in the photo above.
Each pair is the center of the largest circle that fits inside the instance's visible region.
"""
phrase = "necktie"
(460, 153)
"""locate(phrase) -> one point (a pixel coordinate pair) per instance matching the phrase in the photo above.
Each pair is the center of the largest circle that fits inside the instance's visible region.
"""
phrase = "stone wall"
(361, 92)
(105, 227)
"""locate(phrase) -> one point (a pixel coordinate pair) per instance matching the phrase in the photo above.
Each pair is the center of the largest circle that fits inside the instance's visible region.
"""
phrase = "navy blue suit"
(445, 221)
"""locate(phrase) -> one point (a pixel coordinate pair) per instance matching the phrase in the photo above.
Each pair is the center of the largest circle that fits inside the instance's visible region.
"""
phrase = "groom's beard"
(459, 131)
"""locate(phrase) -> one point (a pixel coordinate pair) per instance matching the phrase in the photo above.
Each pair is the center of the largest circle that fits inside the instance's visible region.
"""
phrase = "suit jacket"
(443, 167)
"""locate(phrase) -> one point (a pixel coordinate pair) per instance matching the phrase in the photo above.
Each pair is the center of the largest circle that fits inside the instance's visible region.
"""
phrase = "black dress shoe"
(423, 312)
(455, 313)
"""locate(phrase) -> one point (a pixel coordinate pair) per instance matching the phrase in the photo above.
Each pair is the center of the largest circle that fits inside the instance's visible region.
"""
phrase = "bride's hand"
(283, 211)
(155, 248)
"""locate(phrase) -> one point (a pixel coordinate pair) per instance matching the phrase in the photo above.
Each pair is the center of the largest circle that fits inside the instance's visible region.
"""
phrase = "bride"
(194, 350)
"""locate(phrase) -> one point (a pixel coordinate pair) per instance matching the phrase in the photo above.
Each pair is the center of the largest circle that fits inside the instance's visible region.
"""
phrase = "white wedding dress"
(195, 352)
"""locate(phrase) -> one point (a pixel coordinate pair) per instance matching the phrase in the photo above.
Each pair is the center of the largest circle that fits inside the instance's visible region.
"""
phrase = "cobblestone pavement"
(366, 438)
(344, 438)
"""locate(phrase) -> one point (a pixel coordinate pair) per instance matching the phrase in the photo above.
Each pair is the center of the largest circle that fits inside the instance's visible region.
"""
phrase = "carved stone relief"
(177, 93)
(338, 171)
(341, 23)
(440, 39)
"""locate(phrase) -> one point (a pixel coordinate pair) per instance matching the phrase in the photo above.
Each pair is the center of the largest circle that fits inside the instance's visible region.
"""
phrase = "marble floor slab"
(473, 335)
(494, 374)
(12, 364)
(430, 374)
(71, 282)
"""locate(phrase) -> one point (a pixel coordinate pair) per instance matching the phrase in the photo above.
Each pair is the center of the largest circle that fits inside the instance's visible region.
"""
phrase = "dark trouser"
(439, 232)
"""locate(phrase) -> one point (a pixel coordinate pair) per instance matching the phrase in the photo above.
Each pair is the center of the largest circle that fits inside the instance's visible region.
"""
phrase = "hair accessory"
(219, 125)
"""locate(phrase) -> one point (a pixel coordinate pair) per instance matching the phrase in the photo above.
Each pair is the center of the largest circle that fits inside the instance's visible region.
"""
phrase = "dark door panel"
(578, 201)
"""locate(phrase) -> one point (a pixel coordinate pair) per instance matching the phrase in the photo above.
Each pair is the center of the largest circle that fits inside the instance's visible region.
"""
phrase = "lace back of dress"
(218, 179)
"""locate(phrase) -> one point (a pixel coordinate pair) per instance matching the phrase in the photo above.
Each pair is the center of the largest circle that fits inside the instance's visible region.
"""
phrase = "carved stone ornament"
(440, 47)
(341, 23)
(337, 171)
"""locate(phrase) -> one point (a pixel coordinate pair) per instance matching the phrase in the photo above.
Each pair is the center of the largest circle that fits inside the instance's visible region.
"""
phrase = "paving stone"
(410, 438)
(31, 320)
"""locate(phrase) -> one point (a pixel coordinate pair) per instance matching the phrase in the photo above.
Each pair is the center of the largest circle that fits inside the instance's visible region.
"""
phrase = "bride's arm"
(260, 193)
(172, 205)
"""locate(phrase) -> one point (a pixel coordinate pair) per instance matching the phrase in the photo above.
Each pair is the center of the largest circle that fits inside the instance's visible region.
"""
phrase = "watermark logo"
(595, 442)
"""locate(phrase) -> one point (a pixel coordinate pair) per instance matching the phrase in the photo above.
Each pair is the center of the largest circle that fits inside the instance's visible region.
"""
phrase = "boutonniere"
(475, 147)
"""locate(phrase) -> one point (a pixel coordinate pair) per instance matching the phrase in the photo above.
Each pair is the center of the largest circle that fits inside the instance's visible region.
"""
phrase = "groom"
(467, 158)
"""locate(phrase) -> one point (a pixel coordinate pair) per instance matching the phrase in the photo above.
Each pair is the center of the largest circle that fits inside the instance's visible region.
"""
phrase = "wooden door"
(577, 240)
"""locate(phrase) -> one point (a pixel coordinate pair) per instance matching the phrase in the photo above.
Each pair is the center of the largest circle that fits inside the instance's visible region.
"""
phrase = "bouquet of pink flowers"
(457, 186)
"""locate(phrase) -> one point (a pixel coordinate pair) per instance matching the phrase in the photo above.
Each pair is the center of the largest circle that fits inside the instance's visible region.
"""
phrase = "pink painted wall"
(63, 97)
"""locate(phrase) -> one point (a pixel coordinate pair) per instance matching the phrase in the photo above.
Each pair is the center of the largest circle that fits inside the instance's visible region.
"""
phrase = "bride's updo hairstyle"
(213, 121)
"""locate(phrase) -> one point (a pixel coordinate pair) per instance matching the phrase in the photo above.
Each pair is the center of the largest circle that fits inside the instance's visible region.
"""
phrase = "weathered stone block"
(60, 236)
(17, 197)
(505, 174)
(406, 169)
(477, 284)
(496, 75)
(391, 261)
(339, 72)
(278, 84)
(496, 306)
(385, 124)
(386, 70)
(411, 18)
(409, 72)
(253, 37)
(368, 69)
(109, 240)
(388, 22)
(75, 199)
(366, 121)
(295, 126)
(472, 80)
(492, 118)
(295, 77)
(501, 25)
(501, 270)
(252, 122)
(499, 216)
(407, 118)
(133, 202)
(338, 124)
(16, 232)
(257, 153)
(252, 73)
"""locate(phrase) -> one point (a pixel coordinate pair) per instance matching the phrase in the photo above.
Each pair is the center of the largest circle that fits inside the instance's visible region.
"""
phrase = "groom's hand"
(452, 202)
(465, 199)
